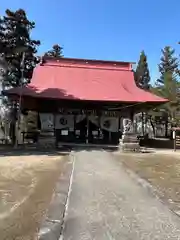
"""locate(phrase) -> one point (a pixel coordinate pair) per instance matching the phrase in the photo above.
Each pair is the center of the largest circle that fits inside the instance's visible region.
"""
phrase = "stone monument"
(129, 141)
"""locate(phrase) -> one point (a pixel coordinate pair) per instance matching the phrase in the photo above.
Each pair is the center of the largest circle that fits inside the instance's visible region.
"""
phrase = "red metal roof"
(83, 79)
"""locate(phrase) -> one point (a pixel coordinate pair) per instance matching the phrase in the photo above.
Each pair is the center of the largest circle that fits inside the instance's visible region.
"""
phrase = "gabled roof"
(81, 79)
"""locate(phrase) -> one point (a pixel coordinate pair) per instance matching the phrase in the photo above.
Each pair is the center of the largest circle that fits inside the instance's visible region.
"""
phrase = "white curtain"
(47, 121)
(110, 124)
(64, 121)
(2, 135)
(80, 118)
(94, 120)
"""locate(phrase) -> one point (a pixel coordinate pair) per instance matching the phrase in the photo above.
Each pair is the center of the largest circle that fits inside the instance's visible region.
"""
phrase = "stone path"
(105, 203)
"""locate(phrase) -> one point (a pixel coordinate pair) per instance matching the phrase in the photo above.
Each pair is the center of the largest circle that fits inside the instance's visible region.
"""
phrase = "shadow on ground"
(93, 148)
(27, 151)
(63, 149)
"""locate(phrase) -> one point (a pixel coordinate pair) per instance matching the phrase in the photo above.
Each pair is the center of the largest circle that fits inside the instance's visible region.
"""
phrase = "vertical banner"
(47, 121)
(80, 118)
(94, 120)
(110, 124)
(64, 121)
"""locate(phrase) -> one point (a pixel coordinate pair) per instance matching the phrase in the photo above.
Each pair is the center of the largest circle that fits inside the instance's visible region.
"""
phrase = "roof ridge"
(49, 58)
(87, 67)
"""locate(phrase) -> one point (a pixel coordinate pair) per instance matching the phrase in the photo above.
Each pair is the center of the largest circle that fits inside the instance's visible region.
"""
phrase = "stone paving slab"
(52, 224)
(106, 203)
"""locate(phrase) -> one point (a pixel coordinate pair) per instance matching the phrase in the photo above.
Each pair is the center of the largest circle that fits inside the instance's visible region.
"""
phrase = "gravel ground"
(161, 170)
(26, 187)
(106, 203)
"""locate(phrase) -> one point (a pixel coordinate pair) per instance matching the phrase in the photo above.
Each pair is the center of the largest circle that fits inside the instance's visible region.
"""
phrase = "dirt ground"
(161, 170)
(26, 188)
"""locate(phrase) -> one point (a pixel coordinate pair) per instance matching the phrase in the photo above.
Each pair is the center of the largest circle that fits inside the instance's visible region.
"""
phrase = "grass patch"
(161, 170)
(26, 188)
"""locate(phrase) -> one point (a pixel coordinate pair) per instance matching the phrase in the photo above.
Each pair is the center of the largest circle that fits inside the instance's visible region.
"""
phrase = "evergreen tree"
(3, 50)
(2, 40)
(168, 65)
(19, 49)
(57, 51)
(142, 76)
(168, 85)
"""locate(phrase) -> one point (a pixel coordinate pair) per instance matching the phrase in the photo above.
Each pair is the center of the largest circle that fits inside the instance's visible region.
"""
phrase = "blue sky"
(103, 29)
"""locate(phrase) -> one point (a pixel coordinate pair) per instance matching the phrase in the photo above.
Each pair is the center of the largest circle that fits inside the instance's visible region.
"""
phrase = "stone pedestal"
(129, 141)
(47, 140)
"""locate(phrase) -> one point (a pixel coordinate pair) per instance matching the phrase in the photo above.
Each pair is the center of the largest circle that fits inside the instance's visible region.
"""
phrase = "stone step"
(128, 134)
(129, 139)
(130, 147)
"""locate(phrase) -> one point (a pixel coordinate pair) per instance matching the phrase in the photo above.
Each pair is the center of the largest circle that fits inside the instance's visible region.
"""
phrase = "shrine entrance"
(87, 129)
(81, 128)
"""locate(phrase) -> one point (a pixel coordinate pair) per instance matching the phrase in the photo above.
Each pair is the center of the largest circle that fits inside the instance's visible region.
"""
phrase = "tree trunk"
(166, 129)
(152, 126)
(142, 123)
(13, 116)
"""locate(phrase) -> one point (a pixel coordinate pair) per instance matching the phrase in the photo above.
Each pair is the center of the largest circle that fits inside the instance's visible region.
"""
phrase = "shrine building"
(84, 101)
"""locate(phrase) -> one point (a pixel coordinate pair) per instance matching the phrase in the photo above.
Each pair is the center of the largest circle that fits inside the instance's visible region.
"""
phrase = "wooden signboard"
(89, 112)
(177, 141)
(176, 137)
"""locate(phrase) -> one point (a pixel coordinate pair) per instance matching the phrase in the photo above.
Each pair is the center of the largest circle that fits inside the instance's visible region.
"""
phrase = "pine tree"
(3, 50)
(142, 76)
(168, 85)
(142, 79)
(17, 40)
(2, 40)
(19, 51)
(57, 51)
(168, 65)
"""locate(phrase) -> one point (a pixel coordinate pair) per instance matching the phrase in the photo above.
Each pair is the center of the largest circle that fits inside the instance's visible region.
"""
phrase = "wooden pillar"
(119, 129)
(55, 135)
(75, 128)
(110, 137)
(87, 133)
(142, 123)
(99, 127)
